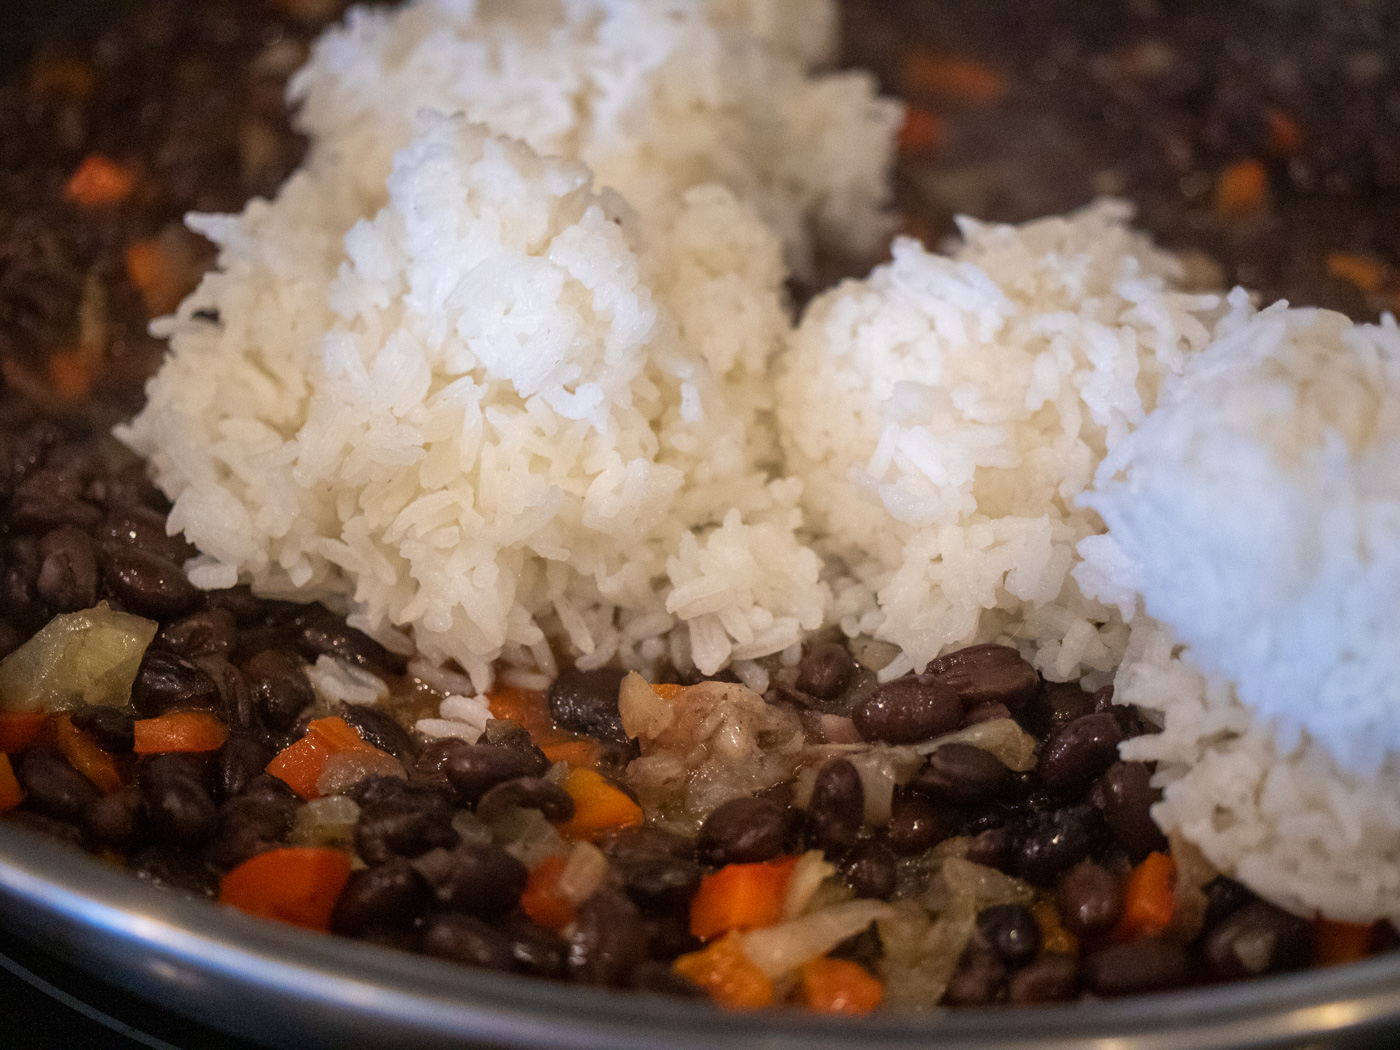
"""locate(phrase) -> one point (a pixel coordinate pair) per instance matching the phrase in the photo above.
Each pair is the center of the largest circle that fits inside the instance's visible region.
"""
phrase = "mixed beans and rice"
(963, 835)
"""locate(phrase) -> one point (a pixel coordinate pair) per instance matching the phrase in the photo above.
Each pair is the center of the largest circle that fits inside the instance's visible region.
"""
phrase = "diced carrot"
(298, 885)
(1148, 898)
(839, 986)
(19, 729)
(599, 806)
(542, 900)
(84, 755)
(10, 793)
(1285, 137)
(300, 764)
(921, 130)
(740, 897)
(1241, 187)
(339, 735)
(179, 731)
(1361, 270)
(958, 78)
(99, 181)
(71, 373)
(666, 690)
(160, 281)
(1336, 942)
(583, 753)
(1053, 936)
(727, 975)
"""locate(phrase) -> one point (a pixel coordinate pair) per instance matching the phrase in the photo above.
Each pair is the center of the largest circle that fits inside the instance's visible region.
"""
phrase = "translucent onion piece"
(343, 771)
(780, 949)
(644, 714)
(810, 871)
(87, 657)
(328, 821)
(584, 871)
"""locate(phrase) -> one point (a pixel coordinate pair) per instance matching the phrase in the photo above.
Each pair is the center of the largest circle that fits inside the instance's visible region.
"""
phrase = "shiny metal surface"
(293, 989)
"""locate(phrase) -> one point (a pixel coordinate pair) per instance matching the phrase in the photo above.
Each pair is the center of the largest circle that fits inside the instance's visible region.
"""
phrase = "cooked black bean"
(110, 728)
(1128, 796)
(825, 670)
(908, 710)
(1055, 841)
(393, 894)
(870, 870)
(323, 634)
(401, 821)
(538, 951)
(652, 975)
(918, 823)
(474, 769)
(837, 808)
(1055, 705)
(609, 940)
(741, 831)
(242, 758)
(1148, 964)
(280, 687)
(658, 881)
(142, 529)
(501, 732)
(994, 848)
(177, 801)
(467, 940)
(52, 787)
(1089, 898)
(1052, 978)
(246, 609)
(167, 682)
(550, 799)
(645, 841)
(985, 713)
(116, 821)
(668, 933)
(586, 702)
(1079, 751)
(177, 869)
(236, 700)
(249, 825)
(209, 632)
(962, 775)
(68, 570)
(39, 505)
(478, 878)
(148, 584)
(1011, 931)
(1257, 939)
(984, 674)
(382, 730)
(1224, 896)
(979, 977)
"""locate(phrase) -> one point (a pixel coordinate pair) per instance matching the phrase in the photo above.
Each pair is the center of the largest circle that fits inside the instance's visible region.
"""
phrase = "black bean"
(239, 706)
(242, 758)
(654, 976)
(1057, 704)
(474, 769)
(54, 788)
(1224, 896)
(382, 730)
(401, 822)
(741, 831)
(918, 823)
(478, 878)
(466, 940)
(1089, 898)
(1053, 978)
(393, 894)
(668, 933)
(240, 603)
(984, 674)
(68, 570)
(148, 584)
(609, 940)
(210, 632)
(1011, 931)
(1079, 751)
(1128, 796)
(177, 869)
(908, 710)
(501, 732)
(143, 529)
(586, 702)
(870, 870)
(657, 881)
(993, 848)
(39, 505)
(110, 729)
(323, 634)
(825, 670)
(985, 713)
(863, 948)
(837, 808)
(1148, 964)
(280, 687)
(962, 775)
(556, 804)
(117, 820)
(1055, 841)
(643, 841)
(177, 802)
(166, 682)
(979, 977)
(249, 825)
(538, 951)
(1257, 939)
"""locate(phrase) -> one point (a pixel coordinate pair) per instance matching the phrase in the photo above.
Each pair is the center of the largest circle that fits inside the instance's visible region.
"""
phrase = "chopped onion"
(810, 871)
(344, 770)
(328, 821)
(87, 657)
(880, 769)
(1012, 745)
(986, 886)
(584, 871)
(525, 834)
(644, 714)
(781, 949)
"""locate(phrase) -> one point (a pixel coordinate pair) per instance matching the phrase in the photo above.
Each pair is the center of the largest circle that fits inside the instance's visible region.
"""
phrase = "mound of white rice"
(655, 96)
(1256, 513)
(944, 415)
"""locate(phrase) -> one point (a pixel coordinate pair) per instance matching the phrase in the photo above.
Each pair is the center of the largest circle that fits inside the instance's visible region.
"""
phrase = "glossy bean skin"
(1128, 797)
(116, 821)
(251, 823)
(467, 940)
(742, 831)
(167, 682)
(1089, 898)
(837, 807)
(324, 634)
(825, 670)
(149, 584)
(993, 848)
(381, 730)
(658, 882)
(962, 775)
(178, 803)
(52, 787)
(609, 940)
(908, 710)
(111, 729)
(537, 951)
(1257, 939)
(1055, 842)
(503, 733)
(474, 769)
(870, 870)
(397, 821)
(979, 977)
(481, 879)
(1052, 978)
(1055, 706)
(1011, 931)
(586, 702)
(1079, 751)
(209, 632)
(68, 574)
(1148, 964)
(918, 823)
(550, 799)
(131, 525)
(984, 674)
(238, 763)
(281, 690)
(391, 895)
